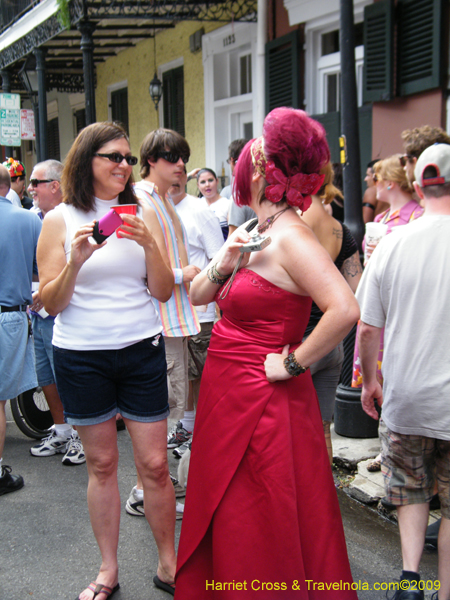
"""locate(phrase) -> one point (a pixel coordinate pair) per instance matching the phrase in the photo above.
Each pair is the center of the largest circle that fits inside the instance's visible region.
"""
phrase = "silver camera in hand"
(257, 242)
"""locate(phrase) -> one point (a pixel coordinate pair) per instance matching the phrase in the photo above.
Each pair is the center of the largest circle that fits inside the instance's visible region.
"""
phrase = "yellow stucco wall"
(136, 65)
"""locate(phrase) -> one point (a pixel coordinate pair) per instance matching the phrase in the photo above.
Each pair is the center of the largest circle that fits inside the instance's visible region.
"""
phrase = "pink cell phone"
(106, 226)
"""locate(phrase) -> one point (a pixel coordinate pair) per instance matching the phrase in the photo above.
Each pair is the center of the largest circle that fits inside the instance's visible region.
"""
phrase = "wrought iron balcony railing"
(10, 10)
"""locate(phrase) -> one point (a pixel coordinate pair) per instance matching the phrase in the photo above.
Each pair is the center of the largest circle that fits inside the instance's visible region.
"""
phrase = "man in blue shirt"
(19, 233)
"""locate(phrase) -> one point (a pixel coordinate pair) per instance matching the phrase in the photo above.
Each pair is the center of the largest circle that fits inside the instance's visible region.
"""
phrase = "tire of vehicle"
(31, 413)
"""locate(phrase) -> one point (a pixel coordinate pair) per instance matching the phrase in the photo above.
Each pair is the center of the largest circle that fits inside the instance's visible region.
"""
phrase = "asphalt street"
(48, 551)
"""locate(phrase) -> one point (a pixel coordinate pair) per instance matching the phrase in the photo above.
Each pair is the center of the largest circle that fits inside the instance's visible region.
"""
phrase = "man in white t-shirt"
(205, 240)
(406, 289)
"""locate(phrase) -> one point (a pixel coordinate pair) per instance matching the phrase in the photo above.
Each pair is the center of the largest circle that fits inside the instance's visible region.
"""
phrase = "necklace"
(271, 220)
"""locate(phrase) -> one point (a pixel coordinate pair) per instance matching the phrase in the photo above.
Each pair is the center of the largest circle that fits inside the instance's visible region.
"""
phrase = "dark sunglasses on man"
(35, 182)
(171, 157)
(18, 178)
(116, 157)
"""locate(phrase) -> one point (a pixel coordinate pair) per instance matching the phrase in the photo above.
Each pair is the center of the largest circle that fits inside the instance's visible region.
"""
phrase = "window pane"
(330, 42)
(332, 84)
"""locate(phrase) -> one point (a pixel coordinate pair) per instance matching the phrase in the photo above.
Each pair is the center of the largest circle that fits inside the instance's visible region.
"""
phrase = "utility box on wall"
(195, 40)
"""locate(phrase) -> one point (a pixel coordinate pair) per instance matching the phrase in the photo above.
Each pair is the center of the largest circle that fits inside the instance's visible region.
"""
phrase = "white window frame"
(214, 43)
(317, 66)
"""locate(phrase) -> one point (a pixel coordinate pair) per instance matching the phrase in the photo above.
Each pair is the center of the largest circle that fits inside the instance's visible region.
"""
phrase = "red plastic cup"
(124, 209)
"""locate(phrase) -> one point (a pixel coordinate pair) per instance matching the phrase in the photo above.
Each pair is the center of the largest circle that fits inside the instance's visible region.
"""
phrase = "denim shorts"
(95, 385)
(43, 349)
(17, 364)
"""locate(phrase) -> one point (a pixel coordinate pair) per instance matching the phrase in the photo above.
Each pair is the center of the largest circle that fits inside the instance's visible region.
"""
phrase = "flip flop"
(100, 588)
(162, 585)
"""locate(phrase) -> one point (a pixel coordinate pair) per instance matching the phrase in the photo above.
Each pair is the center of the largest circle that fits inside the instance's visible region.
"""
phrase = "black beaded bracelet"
(213, 278)
(292, 366)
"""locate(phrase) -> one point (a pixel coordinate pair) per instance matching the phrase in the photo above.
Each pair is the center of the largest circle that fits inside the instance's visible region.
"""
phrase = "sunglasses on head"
(117, 158)
(405, 158)
(171, 157)
(35, 182)
(18, 177)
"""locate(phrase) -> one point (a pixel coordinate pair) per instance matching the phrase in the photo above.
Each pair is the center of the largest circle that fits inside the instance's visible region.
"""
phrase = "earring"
(389, 187)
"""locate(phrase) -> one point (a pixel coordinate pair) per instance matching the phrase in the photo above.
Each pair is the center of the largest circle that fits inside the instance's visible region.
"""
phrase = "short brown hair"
(415, 141)
(77, 179)
(161, 140)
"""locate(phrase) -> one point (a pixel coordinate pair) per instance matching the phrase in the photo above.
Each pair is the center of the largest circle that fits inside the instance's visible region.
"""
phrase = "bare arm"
(310, 267)
(369, 347)
(147, 233)
(352, 271)
(203, 290)
(57, 274)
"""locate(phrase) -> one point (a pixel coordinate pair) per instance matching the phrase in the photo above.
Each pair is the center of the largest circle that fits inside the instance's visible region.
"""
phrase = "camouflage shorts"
(411, 465)
(198, 350)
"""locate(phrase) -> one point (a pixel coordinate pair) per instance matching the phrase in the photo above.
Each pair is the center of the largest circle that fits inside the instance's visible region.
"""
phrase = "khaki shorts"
(411, 465)
(198, 346)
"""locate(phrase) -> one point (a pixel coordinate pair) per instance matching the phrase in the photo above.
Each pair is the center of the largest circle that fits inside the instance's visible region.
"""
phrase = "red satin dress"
(261, 505)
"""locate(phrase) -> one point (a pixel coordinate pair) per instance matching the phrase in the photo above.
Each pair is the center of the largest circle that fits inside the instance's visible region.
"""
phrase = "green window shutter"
(173, 100)
(119, 107)
(420, 25)
(53, 139)
(378, 51)
(331, 122)
(283, 72)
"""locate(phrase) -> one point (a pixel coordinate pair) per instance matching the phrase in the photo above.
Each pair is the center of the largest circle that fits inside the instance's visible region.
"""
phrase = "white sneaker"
(52, 444)
(180, 510)
(134, 506)
(75, 452)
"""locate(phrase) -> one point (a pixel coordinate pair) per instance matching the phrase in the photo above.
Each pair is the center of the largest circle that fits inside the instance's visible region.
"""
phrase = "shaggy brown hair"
(161, 140)
(77, 179)
(415, 141)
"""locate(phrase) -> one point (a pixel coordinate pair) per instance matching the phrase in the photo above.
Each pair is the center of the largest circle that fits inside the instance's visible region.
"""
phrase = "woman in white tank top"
(108, 349)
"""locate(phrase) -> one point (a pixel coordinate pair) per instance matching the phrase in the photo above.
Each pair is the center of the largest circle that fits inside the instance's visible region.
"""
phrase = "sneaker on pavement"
(50, 445)
(177, 436)
(9, 483)
(178, 452)
(180, 491)
(75, 452)
(134, 506)
(180, 511)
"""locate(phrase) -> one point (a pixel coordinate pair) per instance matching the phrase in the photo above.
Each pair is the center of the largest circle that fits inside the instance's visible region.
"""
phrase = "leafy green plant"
(64, 13)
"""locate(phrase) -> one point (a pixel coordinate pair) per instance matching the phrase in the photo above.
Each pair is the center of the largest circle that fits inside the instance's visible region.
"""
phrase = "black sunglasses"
(36, 182)
(18, 177)
(116, 157)
(171, 157)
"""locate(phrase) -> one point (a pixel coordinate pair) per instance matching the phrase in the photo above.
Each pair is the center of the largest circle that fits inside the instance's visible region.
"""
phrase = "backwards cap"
(437, 157)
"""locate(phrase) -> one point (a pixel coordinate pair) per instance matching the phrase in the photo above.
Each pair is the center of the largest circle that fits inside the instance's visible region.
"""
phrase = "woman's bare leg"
(150, 455)
(102, 457)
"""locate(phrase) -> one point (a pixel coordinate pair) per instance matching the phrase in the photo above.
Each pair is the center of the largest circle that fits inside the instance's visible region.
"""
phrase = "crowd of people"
(168, 318)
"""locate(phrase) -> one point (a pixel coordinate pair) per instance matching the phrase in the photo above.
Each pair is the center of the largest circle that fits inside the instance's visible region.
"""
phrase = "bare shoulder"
(54, 225)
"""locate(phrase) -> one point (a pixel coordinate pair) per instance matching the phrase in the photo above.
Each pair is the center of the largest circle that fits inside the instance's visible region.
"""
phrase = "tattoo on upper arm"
(338, 233)
(352, 266)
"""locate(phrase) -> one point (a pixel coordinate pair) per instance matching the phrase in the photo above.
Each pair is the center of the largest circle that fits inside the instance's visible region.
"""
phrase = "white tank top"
(111, 307)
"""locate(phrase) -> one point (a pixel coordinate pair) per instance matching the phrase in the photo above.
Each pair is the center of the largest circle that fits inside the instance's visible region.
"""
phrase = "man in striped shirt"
(163, 156)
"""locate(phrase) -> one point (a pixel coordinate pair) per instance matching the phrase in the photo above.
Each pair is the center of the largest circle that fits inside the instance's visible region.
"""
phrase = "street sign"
(10, 127)
(27, 128)
(10, 101)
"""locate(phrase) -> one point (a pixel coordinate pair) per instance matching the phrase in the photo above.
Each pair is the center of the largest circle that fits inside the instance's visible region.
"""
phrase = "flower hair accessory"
(298, 189)
(258, 157)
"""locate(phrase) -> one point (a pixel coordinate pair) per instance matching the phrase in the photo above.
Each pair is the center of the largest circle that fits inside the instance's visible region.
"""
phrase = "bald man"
(19, 233)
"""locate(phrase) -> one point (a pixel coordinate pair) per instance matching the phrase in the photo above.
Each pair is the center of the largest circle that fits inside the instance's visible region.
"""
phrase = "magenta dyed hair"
(292, 140)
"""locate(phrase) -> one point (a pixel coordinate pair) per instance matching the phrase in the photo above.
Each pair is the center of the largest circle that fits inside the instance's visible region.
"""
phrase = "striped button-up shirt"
(178, 316)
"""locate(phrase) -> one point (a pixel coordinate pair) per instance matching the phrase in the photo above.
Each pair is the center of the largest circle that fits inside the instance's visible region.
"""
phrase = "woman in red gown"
(262, 518)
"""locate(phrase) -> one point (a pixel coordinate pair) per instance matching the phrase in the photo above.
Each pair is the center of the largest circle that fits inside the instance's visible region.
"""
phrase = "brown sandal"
(99, 588)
